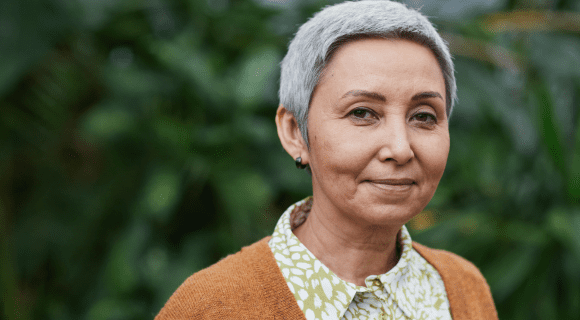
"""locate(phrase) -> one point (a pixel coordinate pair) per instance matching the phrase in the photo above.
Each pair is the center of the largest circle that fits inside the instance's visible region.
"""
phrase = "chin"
(388, 214)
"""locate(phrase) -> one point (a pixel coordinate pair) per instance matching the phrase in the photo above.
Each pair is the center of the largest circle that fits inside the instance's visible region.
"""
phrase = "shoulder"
(229, 271)
(449, 263)
(235, 283)
(468, 293)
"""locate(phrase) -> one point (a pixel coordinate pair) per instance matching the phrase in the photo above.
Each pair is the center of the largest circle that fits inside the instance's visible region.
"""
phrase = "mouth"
(393, 185)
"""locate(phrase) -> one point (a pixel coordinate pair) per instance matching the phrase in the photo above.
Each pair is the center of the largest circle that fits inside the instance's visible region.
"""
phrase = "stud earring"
(299, 164)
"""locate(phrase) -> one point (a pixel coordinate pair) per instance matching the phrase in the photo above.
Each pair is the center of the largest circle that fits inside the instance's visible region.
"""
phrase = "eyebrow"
(364, 93)
(426, 95)
(380, 97)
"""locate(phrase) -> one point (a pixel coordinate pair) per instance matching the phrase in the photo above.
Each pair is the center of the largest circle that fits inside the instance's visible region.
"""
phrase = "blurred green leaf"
(510, 270)
(124, 260)
(29, 30)
(574, 176)
(549, 128)
(258, 70)
(574, 235)
(108, 122)
(161, 192)
(191, 63)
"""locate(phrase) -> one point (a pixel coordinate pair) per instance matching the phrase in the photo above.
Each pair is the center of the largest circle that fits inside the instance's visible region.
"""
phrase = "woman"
(366, 92)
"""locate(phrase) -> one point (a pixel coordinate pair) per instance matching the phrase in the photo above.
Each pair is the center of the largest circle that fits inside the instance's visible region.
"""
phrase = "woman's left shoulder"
(448, 261)
(468, 293)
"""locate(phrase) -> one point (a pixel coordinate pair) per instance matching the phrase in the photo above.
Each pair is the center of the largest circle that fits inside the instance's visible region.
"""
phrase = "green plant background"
(138, 145)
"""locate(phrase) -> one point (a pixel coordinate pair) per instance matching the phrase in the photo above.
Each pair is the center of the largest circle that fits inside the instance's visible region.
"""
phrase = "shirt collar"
(313, 279)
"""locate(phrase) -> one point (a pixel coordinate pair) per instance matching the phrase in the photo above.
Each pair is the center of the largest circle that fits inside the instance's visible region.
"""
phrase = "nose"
(395, 143)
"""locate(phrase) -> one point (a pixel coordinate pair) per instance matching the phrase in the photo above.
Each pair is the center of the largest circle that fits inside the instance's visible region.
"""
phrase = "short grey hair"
(316, 40)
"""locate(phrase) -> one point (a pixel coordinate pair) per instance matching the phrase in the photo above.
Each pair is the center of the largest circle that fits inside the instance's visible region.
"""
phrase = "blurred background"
(138, 146)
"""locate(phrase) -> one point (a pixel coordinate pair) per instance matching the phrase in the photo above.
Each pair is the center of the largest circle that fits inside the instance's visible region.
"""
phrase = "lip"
(393, 185)
(394, 182)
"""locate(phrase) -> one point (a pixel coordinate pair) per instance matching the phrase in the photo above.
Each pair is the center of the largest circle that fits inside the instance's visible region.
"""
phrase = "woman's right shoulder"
(217, 291)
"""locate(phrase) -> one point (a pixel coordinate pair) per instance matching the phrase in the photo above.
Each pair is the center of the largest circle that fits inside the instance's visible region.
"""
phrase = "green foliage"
(138, 146)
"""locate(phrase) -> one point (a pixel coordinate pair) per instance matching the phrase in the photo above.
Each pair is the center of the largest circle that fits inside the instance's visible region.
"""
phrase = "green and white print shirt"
(413, 289)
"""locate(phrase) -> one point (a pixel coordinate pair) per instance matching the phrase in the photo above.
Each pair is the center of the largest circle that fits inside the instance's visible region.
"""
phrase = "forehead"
(382, 64)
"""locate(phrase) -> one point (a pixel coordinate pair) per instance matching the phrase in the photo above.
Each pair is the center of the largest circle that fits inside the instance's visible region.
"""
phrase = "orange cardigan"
(250, 285)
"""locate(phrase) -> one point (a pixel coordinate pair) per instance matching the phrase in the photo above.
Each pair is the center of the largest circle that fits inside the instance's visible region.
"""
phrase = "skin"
(379, 141)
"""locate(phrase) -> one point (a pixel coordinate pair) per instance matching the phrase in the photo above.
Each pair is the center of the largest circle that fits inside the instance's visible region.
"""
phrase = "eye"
(425, 118)
(362, 114)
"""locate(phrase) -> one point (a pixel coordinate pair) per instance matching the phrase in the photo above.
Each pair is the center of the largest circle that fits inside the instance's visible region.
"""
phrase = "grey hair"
(316, 40)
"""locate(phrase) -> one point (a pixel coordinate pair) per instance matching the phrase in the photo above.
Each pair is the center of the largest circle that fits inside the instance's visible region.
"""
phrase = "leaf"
(258, 71)
(123, 262)
(29, 29)
(548, 126)
(574, 170)
(575, 234)
(108, 121)
(509, 270)
(160, 194)
(11, 308)
(193, 64)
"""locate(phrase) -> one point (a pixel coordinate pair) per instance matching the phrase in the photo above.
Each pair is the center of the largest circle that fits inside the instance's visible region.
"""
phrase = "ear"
(290, 135)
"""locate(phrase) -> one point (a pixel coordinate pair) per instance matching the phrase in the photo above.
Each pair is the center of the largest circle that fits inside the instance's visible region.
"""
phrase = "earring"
(299, 164)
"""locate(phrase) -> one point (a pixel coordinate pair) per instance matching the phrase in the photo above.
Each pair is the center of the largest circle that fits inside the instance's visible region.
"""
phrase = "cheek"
(432, 154)
(339, 153)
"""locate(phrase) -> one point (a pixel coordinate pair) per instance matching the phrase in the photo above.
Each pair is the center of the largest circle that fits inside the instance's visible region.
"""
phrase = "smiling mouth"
(393, 184)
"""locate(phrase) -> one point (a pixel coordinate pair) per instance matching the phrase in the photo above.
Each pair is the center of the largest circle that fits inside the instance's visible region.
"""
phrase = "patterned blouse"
(413, 289)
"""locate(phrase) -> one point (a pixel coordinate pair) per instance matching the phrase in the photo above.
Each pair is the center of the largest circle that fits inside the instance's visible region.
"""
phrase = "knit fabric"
(250, 285)
(411, 290)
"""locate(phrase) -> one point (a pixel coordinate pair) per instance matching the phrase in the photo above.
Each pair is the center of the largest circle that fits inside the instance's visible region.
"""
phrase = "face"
(378, 132)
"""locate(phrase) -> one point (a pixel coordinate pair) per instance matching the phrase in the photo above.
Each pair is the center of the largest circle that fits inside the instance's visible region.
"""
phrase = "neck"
(352, 252)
